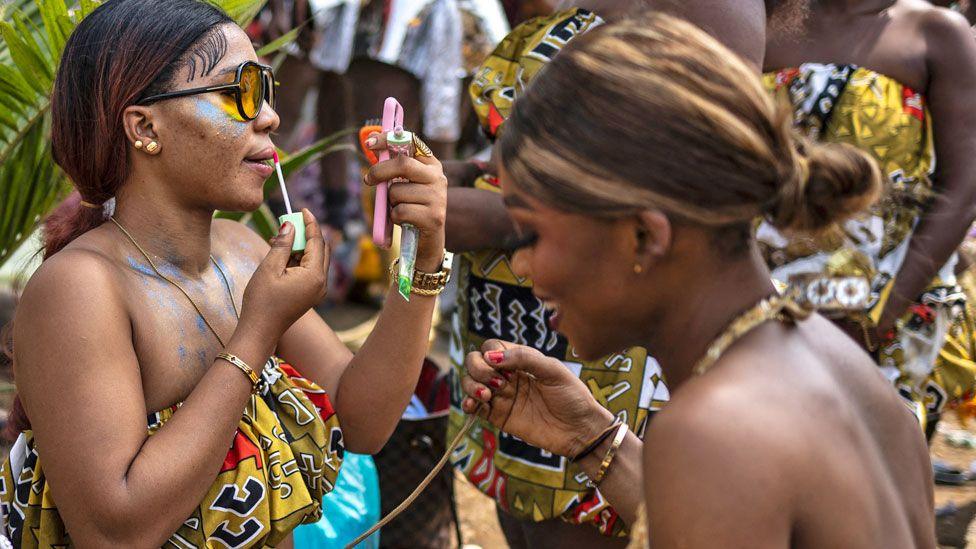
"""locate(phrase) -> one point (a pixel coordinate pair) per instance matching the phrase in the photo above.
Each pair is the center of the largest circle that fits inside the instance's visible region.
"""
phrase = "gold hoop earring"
(138, 144)
(152, 147)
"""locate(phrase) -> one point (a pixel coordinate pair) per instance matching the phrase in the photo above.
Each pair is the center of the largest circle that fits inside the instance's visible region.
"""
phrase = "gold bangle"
(248, 371)
(614, 446)
(427, 284)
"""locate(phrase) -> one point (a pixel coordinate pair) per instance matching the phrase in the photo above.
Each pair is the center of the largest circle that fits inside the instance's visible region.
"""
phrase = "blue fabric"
(348, 510)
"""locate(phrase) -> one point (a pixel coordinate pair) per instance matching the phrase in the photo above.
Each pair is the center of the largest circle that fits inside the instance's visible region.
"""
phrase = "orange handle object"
(363, 135)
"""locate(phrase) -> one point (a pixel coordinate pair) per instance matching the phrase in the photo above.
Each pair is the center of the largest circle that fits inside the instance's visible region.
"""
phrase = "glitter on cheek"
(224, 117)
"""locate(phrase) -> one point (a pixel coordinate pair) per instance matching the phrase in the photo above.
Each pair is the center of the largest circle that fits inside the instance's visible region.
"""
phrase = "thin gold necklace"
(180, 288)
(780, 307)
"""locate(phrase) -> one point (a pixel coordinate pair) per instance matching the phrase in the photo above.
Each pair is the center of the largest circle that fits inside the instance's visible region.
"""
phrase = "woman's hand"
(282, 289)
(420, 201)
(532, 396)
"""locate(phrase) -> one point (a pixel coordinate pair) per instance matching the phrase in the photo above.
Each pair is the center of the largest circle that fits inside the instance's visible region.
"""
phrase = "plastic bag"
(348, 510)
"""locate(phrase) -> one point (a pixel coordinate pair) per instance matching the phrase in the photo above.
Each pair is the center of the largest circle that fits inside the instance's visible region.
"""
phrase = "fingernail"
(495, 357)
(285, 228)
(508, 375)
(371, 141)
(496, 382)
(484, 394)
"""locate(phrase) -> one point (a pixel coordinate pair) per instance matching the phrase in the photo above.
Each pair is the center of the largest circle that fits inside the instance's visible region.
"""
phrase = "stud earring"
(138, 144)
(152, 147)
(638, 269)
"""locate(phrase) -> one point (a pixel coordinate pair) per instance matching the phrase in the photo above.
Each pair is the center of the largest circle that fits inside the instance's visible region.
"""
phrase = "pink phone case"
(382, 227)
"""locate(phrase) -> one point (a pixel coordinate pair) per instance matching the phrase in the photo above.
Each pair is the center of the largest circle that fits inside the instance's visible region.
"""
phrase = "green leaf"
(241, 11)
(36, 39)
(264, 222)
(51, 12)
(298, 162)
(233, 216)
(28, 60)
(279, 43)
(302, 157)
(13, 144)
(87, 6)
(13, 84)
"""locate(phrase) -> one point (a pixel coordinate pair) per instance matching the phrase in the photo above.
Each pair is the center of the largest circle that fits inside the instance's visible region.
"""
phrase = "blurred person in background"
(893, 78)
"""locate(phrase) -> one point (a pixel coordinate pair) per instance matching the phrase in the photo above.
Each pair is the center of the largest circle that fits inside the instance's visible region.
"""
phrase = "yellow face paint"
(228, 104)
(221, 115)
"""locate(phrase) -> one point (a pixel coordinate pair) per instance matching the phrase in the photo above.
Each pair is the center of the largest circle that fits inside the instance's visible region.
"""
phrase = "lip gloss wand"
(296, 219)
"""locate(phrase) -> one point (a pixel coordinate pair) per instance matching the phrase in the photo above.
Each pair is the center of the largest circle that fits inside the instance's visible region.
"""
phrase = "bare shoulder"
(712, 448)
(722, 425)
(74, 278)
(940, 26)
(240, 239)
(75, 300)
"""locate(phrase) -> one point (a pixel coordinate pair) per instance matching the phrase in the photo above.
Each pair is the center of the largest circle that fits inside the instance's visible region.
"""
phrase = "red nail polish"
(508, 375)
(495, 382)
(495, 357)
(484, 394)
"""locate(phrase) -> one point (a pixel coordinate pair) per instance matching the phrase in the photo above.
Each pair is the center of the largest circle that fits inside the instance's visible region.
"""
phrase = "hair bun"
(826, 184)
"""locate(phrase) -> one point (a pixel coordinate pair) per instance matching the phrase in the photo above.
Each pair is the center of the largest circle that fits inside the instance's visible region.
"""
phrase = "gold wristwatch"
(428, 284)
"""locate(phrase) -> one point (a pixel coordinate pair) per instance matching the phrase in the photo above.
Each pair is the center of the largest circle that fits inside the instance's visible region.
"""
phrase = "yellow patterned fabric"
(517, 59)
(285, 456)
(849, 273)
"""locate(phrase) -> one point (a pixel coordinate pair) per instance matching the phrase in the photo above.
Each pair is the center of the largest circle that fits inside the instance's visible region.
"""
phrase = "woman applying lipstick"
(148, 330)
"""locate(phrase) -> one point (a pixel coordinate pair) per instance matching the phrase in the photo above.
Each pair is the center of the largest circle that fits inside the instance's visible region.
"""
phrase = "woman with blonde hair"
(636, 197)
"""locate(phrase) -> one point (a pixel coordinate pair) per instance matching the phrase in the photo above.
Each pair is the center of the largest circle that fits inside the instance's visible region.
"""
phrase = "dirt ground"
(479, 524)
(953, 527)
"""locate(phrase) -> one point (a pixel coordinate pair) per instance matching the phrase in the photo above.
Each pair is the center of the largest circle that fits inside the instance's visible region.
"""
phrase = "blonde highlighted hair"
(652, 112)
